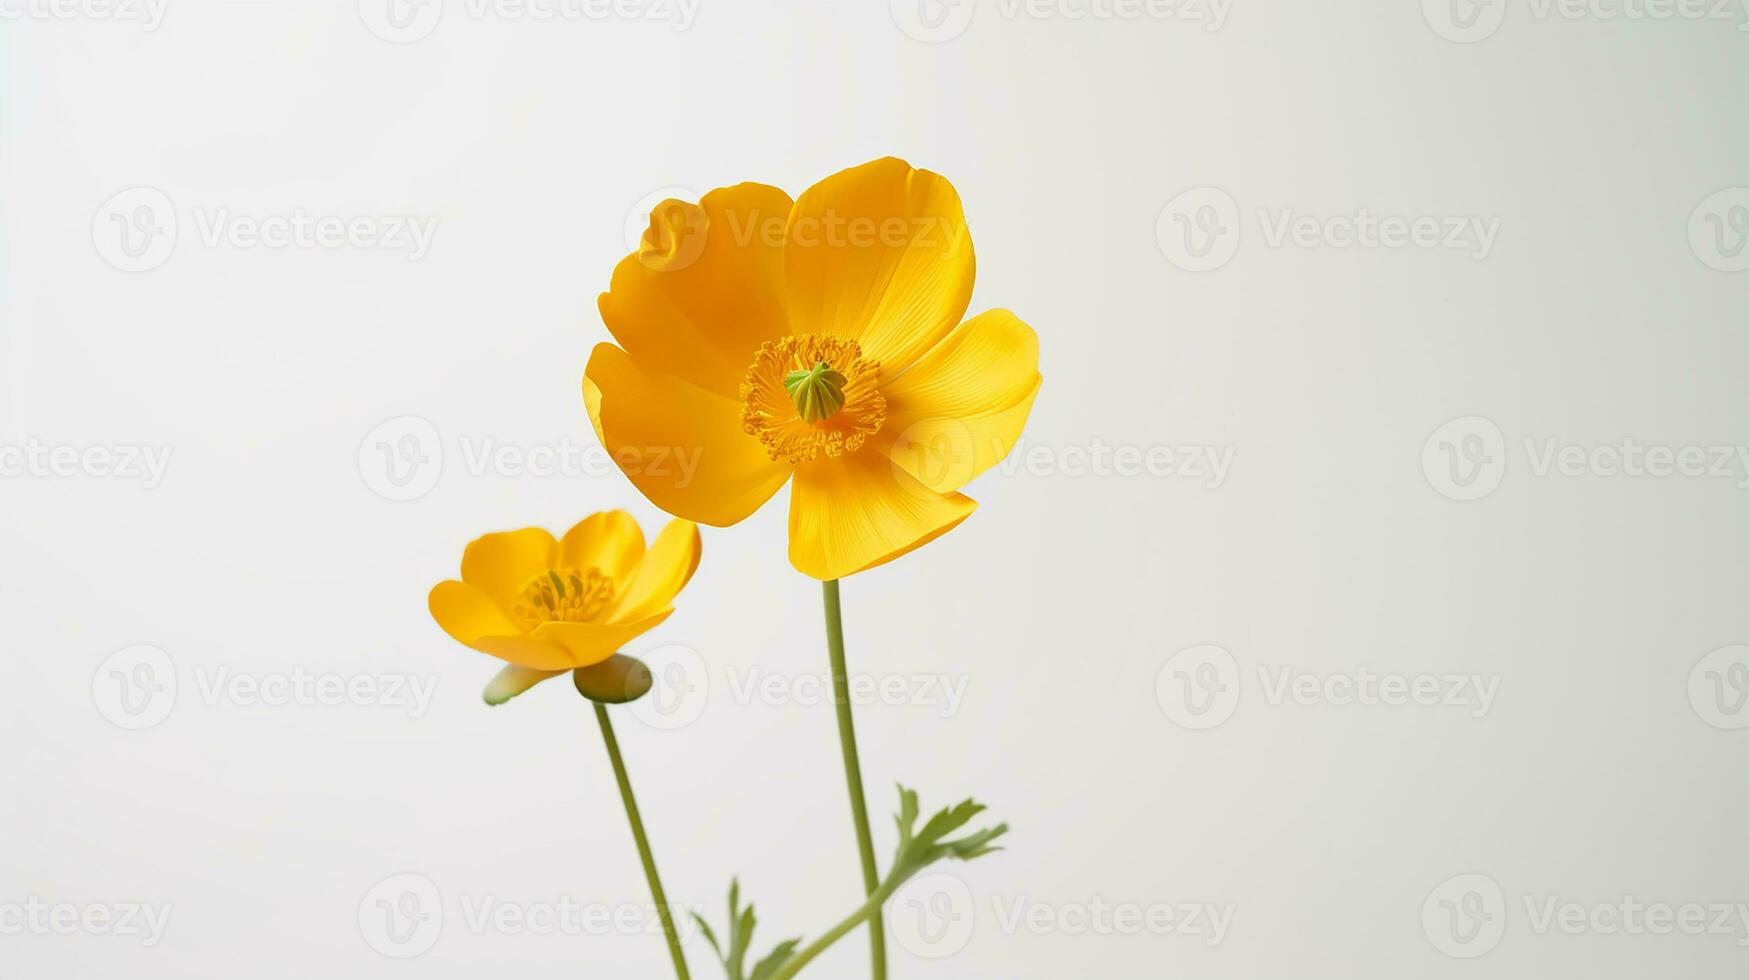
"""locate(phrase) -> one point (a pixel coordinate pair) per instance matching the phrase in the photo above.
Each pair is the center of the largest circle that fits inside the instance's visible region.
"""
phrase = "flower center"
(811, 394)
(818, 392)
(563, 595)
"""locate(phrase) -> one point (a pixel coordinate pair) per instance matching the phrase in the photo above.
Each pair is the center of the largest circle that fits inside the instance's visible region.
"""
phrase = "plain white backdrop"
(1356, 588)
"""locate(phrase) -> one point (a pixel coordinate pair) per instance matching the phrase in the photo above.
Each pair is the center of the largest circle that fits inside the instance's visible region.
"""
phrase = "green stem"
(625, 793)
(871, 876)
(870, 910)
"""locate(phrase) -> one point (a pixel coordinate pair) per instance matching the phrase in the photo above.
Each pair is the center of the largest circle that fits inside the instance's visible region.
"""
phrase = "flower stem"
(870, 909)
(871, 876)
(649, 860)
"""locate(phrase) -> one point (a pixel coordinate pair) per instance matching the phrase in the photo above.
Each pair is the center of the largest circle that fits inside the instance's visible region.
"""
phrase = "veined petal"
(680, 445)
(610, 541)
(591, 643)
(501, 564)
(665, 570)
(879, 254)
(854, 512)
(513, 680)
(961, 407)
(705, 287)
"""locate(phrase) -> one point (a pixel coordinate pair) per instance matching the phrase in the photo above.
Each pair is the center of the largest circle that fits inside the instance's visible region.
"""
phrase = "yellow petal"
(467, 613)
(610, 541)
(854, 512)
(501, 564)
(680, 445)
(591, 643)
(961, 407)
(880, 254)
(473, 618)
(664, 571)
(705, 287)
(513, 680)
(534, 652)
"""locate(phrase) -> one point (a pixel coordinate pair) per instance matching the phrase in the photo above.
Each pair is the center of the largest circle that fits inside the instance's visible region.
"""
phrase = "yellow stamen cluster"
(563, 595)
(792, 384)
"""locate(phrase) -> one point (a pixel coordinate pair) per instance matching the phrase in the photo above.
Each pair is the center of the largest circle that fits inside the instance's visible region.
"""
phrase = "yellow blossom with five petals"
(763, 339)
(547, 606)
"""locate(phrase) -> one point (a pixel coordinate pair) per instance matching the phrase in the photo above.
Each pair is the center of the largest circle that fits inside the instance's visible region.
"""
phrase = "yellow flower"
(549, 606)
(762, 339)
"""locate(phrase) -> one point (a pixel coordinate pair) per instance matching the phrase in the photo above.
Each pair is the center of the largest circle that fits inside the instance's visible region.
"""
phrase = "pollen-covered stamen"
(811, 394)
(564, 595)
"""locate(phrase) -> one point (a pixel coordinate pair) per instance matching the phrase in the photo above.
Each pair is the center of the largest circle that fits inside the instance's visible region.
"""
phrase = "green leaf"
(742, 922)
(776, 959)
(918, 849)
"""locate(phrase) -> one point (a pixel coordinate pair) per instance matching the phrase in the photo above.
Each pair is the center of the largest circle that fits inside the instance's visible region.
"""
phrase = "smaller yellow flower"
(549, 606)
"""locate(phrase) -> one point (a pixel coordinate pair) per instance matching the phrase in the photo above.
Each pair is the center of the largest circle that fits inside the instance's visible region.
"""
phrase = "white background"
(1333, 543)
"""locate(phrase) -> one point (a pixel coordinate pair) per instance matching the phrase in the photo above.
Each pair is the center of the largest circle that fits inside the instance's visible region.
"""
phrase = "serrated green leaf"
(774, 960)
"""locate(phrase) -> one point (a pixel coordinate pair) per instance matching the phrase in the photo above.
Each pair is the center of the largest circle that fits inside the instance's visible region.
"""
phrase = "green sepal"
(617, 680)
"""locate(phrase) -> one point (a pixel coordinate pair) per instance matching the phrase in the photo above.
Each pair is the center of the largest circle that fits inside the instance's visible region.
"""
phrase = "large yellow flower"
(548, 606)
(821, 339)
